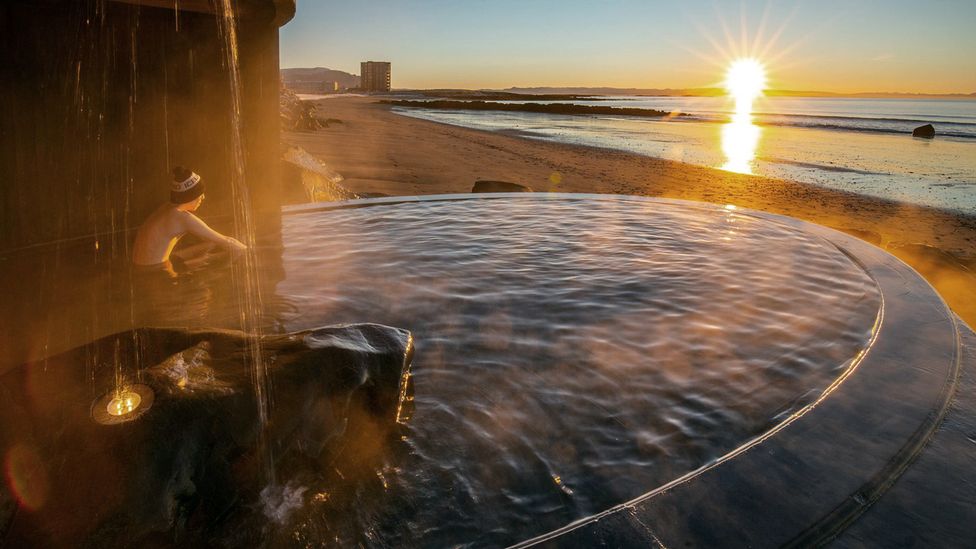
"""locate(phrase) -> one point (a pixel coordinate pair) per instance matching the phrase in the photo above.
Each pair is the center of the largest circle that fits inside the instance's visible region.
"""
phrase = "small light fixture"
(122, 405)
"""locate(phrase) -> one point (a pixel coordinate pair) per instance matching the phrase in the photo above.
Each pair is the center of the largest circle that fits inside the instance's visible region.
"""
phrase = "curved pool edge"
(804, 481)
(931, 505)
(809, 477)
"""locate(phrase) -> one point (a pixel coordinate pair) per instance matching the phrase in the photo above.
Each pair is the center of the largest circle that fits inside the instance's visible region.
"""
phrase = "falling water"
(249, 298)
(119, 188)
(121, 367)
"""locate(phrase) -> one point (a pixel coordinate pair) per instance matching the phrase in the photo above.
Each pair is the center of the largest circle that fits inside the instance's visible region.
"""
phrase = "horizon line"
(703, 90)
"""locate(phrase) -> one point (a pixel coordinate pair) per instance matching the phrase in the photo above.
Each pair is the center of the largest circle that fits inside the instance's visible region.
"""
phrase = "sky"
(850, 46)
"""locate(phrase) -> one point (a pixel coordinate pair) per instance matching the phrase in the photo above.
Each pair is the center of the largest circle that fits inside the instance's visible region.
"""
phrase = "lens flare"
(27, 476)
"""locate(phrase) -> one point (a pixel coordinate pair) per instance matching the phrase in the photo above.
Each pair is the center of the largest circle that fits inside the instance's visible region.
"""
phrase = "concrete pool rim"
(803, 481)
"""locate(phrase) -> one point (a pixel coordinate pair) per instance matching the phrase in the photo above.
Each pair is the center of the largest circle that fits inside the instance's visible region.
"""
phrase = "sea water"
(852, 144)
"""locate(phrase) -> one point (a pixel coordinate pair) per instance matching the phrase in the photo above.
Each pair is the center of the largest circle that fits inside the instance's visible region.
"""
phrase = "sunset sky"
(830, 45)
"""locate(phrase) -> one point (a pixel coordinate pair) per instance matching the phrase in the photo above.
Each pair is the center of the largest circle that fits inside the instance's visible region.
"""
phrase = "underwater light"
(122, 405)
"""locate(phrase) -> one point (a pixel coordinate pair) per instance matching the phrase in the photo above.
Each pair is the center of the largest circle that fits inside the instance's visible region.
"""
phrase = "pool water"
(572, 352)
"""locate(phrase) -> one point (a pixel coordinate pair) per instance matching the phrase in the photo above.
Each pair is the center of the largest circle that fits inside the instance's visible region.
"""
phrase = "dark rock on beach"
(927, 131)
(485, 186)
(196, 465)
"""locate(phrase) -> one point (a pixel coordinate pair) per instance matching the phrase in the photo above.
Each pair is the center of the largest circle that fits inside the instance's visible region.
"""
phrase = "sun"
(745, 80)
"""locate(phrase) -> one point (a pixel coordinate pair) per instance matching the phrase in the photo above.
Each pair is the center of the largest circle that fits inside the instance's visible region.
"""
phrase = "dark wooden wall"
(98, 100)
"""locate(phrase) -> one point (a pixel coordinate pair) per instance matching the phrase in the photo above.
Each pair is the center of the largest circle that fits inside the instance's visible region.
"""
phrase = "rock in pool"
(195, 464)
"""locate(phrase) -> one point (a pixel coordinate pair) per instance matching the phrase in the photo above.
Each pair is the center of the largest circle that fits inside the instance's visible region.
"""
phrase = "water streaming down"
(122, 392)
(99, 48)
(250, 299)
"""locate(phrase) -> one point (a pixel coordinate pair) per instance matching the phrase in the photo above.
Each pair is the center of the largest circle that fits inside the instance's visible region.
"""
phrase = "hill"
(319, 74)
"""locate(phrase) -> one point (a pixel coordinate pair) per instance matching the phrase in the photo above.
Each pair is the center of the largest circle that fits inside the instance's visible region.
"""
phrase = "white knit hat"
(186, 186)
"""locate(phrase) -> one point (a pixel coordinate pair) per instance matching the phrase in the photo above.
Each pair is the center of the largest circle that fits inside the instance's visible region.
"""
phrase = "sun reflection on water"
(740, 138)
(744, 81)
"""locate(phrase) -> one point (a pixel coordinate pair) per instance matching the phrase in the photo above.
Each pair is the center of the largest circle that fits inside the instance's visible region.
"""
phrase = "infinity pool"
(572, 352)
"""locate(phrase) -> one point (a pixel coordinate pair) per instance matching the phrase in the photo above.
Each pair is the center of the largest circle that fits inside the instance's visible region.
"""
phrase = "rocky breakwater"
(196, 465)
(546, 108)
(296, 114)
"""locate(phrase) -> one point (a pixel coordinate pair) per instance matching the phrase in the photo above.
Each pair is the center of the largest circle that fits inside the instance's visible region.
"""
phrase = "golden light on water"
(745, 81)
(740, 138)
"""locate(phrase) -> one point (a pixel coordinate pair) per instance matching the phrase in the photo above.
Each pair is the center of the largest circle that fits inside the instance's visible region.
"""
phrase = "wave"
(938, 118)
(940, 132)
(963, 130)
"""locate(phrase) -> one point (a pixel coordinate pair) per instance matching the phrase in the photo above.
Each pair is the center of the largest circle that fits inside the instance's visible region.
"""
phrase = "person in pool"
(163, 228)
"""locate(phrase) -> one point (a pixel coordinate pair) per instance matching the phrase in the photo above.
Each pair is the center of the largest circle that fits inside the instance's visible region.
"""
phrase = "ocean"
(852, 144)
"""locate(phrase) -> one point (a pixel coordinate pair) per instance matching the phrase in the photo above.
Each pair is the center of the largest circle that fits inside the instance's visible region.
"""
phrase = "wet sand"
(378, 151)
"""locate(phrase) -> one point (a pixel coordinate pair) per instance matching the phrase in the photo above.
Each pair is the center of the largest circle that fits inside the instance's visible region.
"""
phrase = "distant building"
(375, 76)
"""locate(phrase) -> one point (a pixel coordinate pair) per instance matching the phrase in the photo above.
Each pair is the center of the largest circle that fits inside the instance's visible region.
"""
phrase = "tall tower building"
(375, 76)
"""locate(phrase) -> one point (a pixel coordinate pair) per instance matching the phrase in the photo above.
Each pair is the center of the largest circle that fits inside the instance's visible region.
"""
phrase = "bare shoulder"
(187, 218)
(160, 219)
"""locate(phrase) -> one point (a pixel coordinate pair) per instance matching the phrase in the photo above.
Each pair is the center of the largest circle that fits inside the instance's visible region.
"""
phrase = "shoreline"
(378, 151)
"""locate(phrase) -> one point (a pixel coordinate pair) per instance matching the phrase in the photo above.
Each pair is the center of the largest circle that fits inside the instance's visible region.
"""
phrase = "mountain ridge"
(319, 74)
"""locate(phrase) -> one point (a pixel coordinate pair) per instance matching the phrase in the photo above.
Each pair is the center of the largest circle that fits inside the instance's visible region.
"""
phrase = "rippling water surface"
(571, 353)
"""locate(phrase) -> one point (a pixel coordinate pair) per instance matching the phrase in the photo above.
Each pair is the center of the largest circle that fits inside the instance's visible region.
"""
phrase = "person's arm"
(195, 226)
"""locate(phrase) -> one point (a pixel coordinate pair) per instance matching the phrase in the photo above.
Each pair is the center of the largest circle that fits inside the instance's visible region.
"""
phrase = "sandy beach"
(377, 151)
